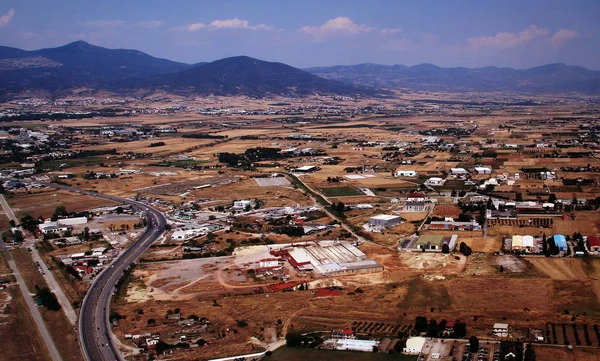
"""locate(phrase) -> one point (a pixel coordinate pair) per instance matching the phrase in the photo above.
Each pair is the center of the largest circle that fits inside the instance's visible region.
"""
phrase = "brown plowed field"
(548, 353)
(482, 244)
(562, 269)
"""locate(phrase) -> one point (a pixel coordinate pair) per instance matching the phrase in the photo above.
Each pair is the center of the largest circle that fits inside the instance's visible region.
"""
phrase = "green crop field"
(341, 191)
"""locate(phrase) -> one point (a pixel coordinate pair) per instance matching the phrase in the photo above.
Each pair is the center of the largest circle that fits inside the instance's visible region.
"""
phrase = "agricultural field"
(545, 353)
(341, 191)
(482, 244)
(562, 269)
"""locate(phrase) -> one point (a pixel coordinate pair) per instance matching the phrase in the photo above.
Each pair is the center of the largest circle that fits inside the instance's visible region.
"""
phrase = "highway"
(94, 330)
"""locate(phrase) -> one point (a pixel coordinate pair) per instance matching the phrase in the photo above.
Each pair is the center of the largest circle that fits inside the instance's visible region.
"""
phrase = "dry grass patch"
(500, 294)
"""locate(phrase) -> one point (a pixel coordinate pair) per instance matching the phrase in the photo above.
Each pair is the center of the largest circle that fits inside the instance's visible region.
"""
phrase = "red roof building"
(284, 286)
(593, 243)
(342, 333)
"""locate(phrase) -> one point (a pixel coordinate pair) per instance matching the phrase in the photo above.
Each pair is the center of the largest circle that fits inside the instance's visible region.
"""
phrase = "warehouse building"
(331, 258)
(522, 242)
(414, 345)
(383, 221)
(561, 242)
(436, 241)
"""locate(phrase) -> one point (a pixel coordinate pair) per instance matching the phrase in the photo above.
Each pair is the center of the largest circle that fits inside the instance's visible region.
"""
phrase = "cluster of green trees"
(465, 249)
(435, 329)
(47, 298)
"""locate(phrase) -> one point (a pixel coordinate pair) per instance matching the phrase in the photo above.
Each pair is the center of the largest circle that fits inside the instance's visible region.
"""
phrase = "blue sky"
(304, 33)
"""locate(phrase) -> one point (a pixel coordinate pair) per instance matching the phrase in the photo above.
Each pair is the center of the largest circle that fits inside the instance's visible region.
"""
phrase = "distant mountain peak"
(80, 45)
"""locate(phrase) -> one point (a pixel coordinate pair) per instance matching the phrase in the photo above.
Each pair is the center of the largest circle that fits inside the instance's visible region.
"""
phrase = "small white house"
(52, 227)
(240, 205)
(435, 181)
(414, 345)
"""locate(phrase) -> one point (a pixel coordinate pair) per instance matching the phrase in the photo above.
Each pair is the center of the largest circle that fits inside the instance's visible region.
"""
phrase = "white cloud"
(150, 24)
(563, 35)
(236, 24)
(5, 19)
(390, 31)
(104, 24)
(195, 27)
(339, 25)
(225, 24)
(508, 40)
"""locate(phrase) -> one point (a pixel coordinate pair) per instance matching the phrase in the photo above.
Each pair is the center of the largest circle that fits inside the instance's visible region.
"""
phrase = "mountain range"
(80, 66)
(550, 78)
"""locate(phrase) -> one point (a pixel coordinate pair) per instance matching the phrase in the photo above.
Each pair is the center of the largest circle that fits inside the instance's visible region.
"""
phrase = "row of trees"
(434, 329)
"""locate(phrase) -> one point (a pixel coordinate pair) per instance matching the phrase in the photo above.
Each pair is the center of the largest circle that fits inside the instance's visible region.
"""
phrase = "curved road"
(94, 327)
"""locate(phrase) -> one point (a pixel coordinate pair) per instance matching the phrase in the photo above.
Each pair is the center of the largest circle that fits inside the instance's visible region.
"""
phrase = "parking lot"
(436, 349)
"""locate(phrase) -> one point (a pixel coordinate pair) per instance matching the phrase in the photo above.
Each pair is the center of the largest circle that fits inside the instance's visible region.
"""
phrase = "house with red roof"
(593, 243)
(416, 197)
(342, 333)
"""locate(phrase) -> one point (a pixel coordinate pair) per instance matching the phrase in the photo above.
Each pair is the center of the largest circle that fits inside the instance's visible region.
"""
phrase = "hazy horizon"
(309, 34)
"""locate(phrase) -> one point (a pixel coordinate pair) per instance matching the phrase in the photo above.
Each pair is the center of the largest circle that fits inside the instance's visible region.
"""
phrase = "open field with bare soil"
(43, 203)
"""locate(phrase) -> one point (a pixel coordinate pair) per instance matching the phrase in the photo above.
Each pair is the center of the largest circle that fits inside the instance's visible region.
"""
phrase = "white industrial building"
(459, 171)
(72, 221)
(483, 170)
(414, 345)
(521, 242)
(348, 344)
(406, 173)
(384, 221)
